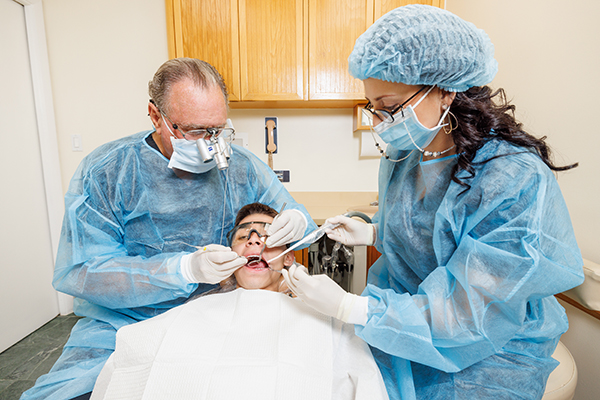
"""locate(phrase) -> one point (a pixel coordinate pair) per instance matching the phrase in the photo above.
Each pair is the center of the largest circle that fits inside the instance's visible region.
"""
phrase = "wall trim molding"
(44, 108)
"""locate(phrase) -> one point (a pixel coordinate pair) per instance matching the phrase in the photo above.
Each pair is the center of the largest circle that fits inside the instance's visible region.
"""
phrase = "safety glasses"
(243, 232)
(388, 116)
(195, 134)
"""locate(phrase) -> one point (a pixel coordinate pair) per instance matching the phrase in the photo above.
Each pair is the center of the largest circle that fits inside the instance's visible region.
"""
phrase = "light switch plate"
(76, 143)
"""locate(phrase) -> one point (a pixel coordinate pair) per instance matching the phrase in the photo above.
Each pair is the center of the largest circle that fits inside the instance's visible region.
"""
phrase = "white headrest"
(588, 293)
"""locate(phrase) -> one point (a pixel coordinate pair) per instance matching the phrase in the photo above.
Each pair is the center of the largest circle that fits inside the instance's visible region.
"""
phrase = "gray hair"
(200, 72)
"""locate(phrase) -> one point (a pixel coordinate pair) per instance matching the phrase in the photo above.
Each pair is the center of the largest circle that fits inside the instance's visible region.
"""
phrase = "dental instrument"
(310, 238)
(256, 259)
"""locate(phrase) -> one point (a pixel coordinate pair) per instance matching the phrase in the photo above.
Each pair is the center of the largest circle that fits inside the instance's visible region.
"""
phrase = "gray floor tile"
(15, 389)
(4, 384)
(45, 366)
(23, 363)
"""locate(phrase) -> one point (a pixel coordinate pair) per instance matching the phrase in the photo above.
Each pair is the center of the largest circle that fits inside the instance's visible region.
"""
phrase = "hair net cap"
(424, 45)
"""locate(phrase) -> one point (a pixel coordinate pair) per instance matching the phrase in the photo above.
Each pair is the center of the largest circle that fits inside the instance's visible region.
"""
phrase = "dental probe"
(263, 239)
(255, 259)
(310, 238)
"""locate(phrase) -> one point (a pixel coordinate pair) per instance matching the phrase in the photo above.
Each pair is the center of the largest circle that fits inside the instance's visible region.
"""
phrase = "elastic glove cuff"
(186, 268)
(376, 241)
(354, 309)
(303, 217)
(372, 238)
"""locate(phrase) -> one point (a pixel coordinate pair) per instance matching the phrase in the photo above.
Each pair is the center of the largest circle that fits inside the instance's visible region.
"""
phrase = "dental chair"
(563, 380)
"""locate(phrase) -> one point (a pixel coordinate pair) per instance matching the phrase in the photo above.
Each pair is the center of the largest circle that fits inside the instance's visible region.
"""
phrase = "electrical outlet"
(271, 137)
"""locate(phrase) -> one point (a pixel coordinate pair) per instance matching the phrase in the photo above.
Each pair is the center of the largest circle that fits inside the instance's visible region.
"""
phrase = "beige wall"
(102, 55)
(548, 57)
(316, 145)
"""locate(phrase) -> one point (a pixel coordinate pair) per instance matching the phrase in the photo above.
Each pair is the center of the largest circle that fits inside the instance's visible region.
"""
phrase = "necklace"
(425, 152)
(436, 153)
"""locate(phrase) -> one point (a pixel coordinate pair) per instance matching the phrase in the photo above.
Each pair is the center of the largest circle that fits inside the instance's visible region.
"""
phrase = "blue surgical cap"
(424, 45)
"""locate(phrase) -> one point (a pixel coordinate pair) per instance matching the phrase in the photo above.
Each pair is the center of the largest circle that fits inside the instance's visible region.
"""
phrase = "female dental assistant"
(474, 233)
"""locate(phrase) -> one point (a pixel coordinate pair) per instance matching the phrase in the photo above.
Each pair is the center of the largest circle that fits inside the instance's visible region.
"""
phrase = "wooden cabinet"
(383, 6)
(333, 28)
(256, 45)
(271, 50)
(277, 52)
(302, 256)
(208, 30)
(372, 256)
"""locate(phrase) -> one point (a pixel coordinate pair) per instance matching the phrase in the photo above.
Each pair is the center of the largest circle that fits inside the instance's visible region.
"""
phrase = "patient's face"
(257, 275)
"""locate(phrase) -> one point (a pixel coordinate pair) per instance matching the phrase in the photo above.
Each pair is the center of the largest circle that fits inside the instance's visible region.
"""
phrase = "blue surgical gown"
(128, 221)
(460, 302)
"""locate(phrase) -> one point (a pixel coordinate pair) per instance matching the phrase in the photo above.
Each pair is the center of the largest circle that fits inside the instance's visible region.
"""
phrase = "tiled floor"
(23, 363)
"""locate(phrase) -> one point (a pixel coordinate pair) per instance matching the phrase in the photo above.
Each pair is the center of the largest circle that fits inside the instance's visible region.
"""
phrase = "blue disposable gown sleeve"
(93, 262)
(514, 249)
(94, 259)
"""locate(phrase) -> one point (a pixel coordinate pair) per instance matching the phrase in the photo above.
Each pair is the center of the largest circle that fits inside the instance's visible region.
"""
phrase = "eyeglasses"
(243, 232)
(388, 116)
(195, 134)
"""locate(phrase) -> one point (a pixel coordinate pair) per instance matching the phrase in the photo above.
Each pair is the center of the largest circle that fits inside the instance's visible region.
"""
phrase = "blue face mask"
(406, 131)
(186, 155)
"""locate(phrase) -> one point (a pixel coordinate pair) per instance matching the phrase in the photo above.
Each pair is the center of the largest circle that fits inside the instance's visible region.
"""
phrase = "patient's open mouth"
(256, 262)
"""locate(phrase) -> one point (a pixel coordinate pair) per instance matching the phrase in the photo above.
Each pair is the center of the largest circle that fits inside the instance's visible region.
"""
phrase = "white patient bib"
(245, 344)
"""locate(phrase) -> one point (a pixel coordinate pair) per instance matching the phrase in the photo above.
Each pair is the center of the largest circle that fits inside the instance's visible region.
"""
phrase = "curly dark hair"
(480, 118)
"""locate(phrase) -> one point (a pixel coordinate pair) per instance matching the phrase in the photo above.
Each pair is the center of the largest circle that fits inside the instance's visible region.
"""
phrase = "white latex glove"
(286, 227)
(324, 295)
(351, 232)
(211, 264)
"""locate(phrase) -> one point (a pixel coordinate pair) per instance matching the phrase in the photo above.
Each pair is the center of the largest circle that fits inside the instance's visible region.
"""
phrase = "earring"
(452, 126)
(444, 106)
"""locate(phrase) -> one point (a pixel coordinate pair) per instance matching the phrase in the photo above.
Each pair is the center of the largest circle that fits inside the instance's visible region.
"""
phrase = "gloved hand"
(286, 227)
(324, 295)
(211, 264)
(351, 232)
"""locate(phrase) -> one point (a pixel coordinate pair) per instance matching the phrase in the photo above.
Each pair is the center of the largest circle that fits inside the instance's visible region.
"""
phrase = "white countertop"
(322, 205)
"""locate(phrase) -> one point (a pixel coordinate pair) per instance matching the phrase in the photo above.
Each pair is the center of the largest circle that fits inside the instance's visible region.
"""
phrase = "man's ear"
(154, 114)
(288, 259)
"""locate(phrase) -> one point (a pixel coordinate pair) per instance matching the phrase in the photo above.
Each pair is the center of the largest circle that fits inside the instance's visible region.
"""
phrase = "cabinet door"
(208, 30)
(383, 6)
(333, 28)
(271, 50)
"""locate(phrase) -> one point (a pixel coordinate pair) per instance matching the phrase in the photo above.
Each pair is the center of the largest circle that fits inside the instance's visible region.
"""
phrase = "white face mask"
(186, 155)
(407, 132)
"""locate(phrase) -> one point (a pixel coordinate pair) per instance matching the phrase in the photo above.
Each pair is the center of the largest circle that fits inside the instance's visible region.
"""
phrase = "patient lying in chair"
(249, 340)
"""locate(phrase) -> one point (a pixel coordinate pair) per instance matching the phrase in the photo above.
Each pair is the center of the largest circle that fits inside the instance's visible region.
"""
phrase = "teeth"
(253, 259)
